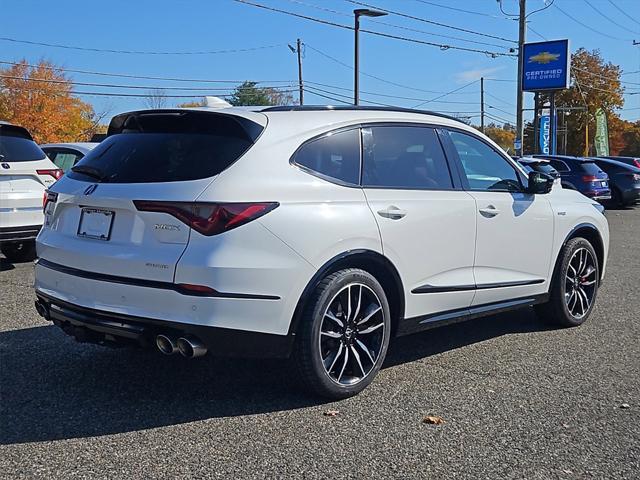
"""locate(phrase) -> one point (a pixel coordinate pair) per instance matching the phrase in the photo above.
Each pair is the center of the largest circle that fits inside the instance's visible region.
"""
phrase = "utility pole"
(300, 84)
(522, 33)
(482, 104)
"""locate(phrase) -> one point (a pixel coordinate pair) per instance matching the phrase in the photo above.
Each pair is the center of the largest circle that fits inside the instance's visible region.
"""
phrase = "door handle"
(489, 211)
(392, 212)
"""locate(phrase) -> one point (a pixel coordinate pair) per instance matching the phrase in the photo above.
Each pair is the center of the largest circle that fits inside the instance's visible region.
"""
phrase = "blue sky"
(223, 25)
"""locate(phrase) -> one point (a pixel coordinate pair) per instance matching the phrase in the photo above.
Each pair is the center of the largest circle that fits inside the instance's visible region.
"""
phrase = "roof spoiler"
(14, 131)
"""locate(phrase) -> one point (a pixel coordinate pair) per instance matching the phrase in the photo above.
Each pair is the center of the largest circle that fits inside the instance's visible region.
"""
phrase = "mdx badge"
(168, 227)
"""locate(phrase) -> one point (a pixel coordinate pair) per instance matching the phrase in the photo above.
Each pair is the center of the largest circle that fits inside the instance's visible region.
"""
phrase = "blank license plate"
(95, 223)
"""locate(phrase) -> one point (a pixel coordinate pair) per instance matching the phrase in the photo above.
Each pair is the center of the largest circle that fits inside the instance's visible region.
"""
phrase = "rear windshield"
(590, 168)
(545, 168)
(167, 147)
(18, 149)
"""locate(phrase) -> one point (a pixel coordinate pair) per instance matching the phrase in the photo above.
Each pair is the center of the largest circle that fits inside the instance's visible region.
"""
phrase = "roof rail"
(317, 108)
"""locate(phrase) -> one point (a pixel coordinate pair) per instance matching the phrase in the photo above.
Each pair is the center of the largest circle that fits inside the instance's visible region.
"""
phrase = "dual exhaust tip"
(188, 346)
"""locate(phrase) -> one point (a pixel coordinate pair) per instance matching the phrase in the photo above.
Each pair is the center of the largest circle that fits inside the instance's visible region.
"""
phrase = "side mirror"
(540, 183)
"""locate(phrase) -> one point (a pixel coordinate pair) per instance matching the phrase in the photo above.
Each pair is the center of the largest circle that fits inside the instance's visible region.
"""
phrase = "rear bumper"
(103, 327)
(19, 234)
(631, 195)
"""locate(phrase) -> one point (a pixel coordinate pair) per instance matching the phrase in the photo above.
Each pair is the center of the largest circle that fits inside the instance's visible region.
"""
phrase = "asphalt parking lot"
(519, 400)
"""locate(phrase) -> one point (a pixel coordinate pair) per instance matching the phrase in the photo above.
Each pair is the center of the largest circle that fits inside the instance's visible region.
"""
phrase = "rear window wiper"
(89, 171)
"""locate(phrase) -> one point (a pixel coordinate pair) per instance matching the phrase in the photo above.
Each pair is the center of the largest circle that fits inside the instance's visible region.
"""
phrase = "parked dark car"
(624, 181)
(633, 161)
(581, 174)
(539, 165)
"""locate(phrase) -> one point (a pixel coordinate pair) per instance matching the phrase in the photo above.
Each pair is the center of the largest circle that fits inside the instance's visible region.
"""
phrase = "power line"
(608, 18)
(635, 20)
(380, 79)
(590, 28)
(499, 99)
(445, 94)
(441, 46)
(138, 77)
(500, 110)
(140, 87)
(588, 72)
(462, 10)
(412, 17)
(401, 27)
(109, 94)
(135, 52)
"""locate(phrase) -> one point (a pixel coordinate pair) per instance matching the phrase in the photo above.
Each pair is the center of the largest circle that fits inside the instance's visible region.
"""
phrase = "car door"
(514, 228)
(426, 221)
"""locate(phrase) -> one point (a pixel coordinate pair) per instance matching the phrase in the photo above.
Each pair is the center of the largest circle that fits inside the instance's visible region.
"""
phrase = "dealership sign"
(546, 66)
(545, 126)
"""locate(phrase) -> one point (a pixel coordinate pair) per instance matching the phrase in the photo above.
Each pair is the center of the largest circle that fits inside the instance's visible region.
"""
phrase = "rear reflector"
(192, 289)
(209, 218)
(54, 172)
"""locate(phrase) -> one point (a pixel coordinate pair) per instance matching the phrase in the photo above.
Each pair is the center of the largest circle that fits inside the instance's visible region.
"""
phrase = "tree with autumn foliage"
(41, 99)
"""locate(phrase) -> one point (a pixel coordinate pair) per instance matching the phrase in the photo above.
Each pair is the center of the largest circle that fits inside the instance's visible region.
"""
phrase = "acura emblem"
(90, 189)
(6, 166)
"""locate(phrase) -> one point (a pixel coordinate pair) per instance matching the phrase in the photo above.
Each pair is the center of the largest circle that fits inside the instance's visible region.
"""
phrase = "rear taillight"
(635, 176)
(636, 162)
(591, 178)
(56, 173)
(48, 197)
(209, 218)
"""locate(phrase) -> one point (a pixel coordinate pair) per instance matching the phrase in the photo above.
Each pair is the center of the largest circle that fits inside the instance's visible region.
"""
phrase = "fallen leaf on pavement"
(331, 413)
(433, 420)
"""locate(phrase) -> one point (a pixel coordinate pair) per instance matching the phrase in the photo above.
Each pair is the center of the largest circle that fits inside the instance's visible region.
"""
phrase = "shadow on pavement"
(53, 388)
(6, 265)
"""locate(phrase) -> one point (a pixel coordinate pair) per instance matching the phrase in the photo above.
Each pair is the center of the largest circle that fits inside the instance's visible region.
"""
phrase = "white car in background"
(311, 232)
(25, 173)
(66, 155)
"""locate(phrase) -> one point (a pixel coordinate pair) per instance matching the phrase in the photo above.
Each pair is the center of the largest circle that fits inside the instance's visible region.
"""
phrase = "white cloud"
(467, 76)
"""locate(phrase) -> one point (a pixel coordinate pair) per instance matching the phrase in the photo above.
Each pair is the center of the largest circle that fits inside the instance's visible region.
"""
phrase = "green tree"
(248, 93)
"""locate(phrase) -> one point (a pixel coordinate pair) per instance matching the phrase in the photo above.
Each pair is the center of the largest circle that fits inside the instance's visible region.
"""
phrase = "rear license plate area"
(96, 223)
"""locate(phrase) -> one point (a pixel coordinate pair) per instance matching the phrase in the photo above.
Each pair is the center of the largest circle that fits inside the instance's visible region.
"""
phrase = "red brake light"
(637, 162)
(591, 178)
(56, 173)
(48, 197)
(209, 218)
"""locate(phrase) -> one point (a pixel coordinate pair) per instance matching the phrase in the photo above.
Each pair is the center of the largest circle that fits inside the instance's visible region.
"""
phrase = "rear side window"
(167, 147)
(559, 166)
(18, 149)
(404, 157)
(590, 168)
(336, 156)
(64, 159)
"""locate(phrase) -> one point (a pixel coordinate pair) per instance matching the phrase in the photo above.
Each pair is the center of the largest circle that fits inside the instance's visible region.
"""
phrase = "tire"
(19, 252)
(344, 359)
(569, 306)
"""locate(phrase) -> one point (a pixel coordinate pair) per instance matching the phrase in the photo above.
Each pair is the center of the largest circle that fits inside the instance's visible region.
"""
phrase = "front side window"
(484, 168)
(559, 166)
(336, 156)
(404, 157)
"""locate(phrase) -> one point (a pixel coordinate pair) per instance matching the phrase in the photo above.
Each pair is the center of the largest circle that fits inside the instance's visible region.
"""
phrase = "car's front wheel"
(574, 287)
(344, 334)
(19, 252)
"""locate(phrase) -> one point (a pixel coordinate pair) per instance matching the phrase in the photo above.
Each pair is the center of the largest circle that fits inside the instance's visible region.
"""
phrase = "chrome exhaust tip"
(191, 347)
(166, 345)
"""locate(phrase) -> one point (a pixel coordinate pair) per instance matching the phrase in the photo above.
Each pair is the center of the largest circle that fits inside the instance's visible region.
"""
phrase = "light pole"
(364, 12)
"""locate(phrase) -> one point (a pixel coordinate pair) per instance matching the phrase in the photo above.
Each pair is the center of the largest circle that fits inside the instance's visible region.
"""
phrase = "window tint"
(590, 168)
(336, 155)
(166, 147)
(404, 157)
(484, 168)
(18, 149)
(559, 166)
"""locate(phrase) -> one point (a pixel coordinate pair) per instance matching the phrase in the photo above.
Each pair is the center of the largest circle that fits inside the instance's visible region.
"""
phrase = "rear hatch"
(94, 221)
(25, 172)
(596, 179)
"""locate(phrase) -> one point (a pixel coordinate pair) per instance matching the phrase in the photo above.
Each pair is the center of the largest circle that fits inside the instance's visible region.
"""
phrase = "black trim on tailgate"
(140, 282)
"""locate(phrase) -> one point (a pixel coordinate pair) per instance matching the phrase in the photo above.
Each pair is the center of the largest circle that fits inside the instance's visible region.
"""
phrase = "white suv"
(312, 232)
(25, 173)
